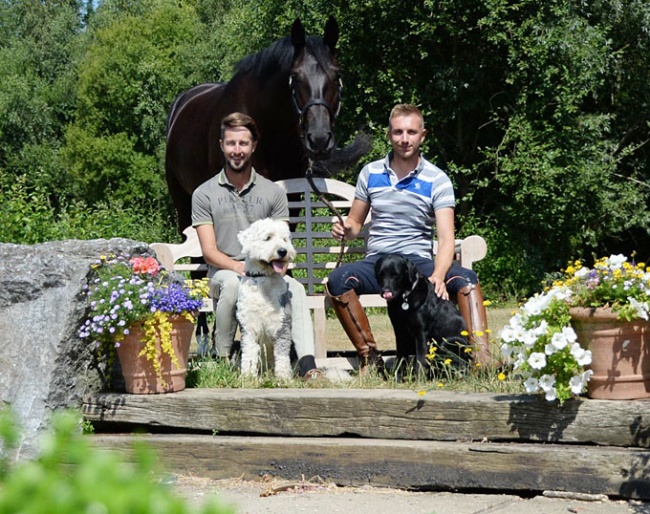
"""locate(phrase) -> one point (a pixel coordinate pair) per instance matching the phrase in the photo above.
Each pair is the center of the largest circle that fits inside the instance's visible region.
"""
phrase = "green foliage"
(27, 216)
(537, 110)
(71, 476)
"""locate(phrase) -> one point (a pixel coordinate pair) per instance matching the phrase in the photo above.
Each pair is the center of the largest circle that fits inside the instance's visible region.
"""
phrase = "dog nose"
(282, 252)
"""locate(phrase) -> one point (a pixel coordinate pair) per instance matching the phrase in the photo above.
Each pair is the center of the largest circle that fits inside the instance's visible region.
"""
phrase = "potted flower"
(587, 330)
(145, 315)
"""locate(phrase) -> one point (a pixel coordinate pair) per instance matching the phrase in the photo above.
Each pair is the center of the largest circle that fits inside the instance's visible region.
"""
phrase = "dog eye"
(268, 238)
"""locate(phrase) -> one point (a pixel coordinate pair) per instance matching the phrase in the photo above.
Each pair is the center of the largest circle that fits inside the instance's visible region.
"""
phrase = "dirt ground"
(273, 496)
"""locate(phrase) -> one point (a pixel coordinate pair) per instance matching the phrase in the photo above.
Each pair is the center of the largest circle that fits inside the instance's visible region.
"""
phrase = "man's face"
(406, 134)
(237, 146)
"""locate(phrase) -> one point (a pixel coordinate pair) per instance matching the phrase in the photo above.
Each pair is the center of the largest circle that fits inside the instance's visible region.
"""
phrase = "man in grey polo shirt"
(221, 208)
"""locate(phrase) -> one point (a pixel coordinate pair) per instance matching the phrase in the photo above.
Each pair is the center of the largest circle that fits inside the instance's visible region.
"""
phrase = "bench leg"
(320, 333)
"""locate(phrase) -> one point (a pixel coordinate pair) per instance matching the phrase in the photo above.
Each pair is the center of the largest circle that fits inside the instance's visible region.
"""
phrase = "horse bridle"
(315, 101)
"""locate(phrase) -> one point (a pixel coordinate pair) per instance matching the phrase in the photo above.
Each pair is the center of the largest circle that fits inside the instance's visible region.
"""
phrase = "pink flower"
(149, 265)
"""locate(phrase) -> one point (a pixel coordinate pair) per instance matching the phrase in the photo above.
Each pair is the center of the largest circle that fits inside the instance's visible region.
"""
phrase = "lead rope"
(330, 205)
(321, 197)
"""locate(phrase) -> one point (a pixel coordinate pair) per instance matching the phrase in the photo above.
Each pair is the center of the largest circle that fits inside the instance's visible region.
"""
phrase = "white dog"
(263, 307)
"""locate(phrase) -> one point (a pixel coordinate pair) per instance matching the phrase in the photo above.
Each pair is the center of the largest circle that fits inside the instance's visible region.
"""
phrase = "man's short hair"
(238, 119)
(405, 110)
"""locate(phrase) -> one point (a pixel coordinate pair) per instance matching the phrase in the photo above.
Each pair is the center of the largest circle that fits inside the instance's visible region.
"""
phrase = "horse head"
(316, 86)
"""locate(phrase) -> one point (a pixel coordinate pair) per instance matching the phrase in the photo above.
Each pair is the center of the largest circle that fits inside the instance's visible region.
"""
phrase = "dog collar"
(405, 296)
(254, 275)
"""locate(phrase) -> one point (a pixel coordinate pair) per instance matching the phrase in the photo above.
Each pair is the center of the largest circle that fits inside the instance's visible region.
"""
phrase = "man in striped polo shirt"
(408, 195)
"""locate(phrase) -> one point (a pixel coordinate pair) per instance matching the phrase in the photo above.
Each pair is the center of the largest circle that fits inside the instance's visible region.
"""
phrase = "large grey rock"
(44, 365)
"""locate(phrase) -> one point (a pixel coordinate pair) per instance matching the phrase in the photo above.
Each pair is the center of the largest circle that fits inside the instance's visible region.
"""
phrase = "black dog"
(419, 316)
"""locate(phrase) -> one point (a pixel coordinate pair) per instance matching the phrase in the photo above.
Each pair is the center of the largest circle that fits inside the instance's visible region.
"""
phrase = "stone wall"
(44, 366)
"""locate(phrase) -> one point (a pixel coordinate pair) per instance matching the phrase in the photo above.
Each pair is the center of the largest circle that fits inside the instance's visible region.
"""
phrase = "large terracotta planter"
(620, 351)
(139, 374)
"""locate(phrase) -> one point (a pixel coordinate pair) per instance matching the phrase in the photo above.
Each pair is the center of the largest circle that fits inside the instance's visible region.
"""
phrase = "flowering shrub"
(127, 290)
(539, 339)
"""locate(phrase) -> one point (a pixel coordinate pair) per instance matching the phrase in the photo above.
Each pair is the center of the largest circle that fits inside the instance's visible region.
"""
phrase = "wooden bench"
(317, 252)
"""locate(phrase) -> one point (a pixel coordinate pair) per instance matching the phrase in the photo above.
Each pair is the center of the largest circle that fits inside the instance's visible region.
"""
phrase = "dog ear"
(413, 272)
(244, 237)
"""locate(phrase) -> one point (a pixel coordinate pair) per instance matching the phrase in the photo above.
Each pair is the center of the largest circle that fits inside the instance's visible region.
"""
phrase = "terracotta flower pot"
(140, 377)
(620, 351)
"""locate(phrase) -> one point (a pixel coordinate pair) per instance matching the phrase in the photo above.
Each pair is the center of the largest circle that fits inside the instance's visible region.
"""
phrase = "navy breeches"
(360, 276)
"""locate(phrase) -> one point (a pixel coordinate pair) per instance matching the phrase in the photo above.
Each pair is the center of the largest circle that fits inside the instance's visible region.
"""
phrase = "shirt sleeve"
(280, 207)
(201, 213)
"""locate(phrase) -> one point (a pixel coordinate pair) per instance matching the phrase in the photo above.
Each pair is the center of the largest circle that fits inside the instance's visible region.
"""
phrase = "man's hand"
(439, 287)
(339, 230)
(239, 267)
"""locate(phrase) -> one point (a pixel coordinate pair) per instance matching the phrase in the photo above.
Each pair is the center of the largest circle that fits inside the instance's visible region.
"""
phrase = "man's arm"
(353, 223)
(212, 255)
(446, 246)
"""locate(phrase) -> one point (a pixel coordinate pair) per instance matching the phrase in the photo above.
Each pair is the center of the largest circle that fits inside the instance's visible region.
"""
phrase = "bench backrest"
(311, 221)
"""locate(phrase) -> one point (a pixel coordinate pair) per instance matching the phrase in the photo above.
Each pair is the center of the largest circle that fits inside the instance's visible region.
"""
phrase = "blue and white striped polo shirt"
(403, 216)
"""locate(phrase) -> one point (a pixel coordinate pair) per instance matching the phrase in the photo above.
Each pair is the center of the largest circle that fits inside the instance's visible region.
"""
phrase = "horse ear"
(331, 33)
(298, 35)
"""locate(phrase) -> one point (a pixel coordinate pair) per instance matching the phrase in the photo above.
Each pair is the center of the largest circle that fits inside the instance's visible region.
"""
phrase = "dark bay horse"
(292, 89)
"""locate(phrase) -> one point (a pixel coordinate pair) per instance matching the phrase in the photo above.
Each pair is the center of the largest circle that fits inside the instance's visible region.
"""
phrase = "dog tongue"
(278, 266)
(387, 295)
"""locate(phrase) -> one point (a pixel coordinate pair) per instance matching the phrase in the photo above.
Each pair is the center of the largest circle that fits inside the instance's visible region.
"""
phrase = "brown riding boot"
(470, 305)
(353, 318)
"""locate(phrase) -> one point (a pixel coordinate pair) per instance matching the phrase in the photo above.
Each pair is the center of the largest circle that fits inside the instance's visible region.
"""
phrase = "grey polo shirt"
(217, 202)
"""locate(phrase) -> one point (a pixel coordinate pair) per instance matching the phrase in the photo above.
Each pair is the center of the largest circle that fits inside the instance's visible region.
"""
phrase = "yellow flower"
(422, 393)
(488, 330)
(478, 364)
(464, 333)
(479, 333)
(487, 303)
(501, 376)
(440, 384)
(467, 350)
(447, 362)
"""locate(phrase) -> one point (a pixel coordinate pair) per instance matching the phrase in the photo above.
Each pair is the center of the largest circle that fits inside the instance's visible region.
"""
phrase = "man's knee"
(225, 287)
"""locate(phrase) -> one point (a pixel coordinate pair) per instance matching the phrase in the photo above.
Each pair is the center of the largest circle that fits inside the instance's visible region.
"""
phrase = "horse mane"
(278, 57)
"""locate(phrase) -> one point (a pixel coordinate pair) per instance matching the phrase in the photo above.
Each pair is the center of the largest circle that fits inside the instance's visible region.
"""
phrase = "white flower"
(531, 384)
(577, 384)
(550, 349)
(582, 272)
(616, 261)
(559, 340)
(536, 304)
(529, 338)
(506, 350)
(551, 394)
(582, 356)
(570, 334)
(537, 360)
(640, 307)
(546, 382)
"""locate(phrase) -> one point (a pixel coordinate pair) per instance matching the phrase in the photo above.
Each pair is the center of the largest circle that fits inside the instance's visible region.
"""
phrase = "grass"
(222, 374)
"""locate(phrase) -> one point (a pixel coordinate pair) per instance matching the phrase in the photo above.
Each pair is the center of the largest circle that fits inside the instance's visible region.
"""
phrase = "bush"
(71, 476)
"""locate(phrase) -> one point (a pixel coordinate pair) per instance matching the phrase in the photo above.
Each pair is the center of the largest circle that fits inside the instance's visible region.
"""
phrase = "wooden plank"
(383, 414)
(422, 464)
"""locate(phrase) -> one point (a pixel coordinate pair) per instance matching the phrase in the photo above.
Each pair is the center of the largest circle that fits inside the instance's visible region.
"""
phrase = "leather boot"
(353, 318)
(470, 305)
